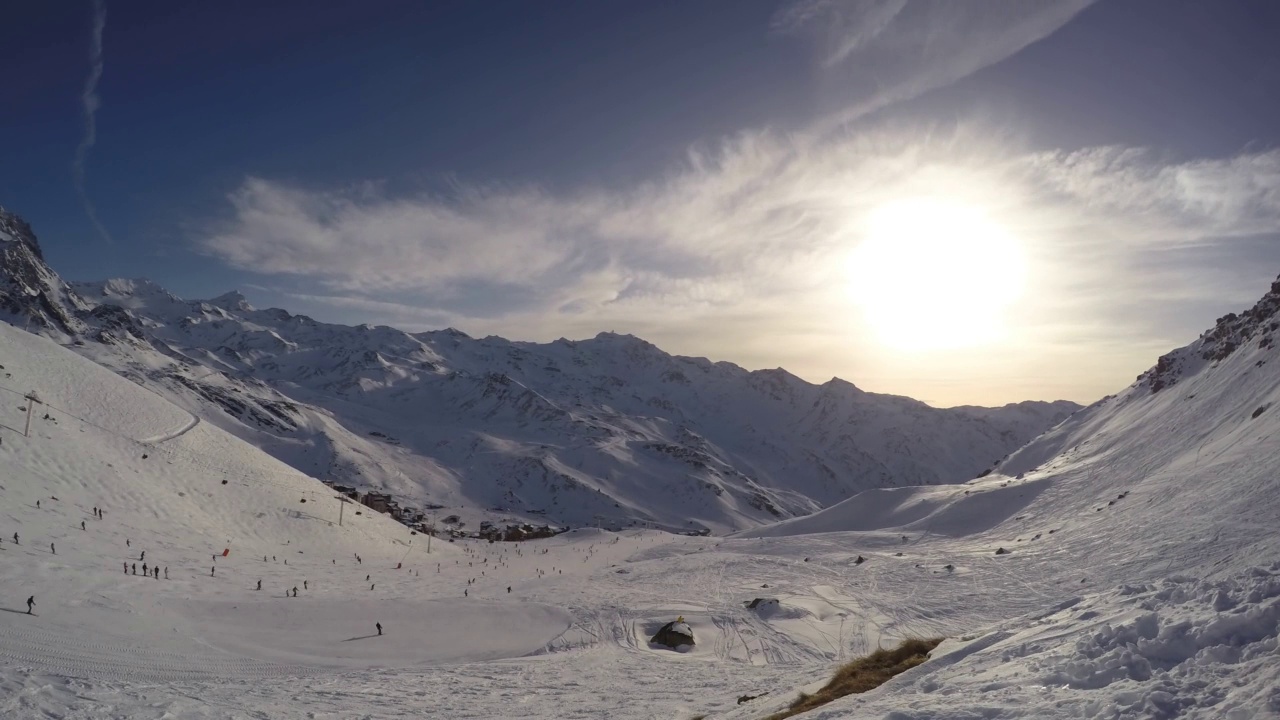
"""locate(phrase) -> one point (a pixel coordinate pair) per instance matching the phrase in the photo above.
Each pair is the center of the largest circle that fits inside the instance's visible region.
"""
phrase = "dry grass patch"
(863, 674)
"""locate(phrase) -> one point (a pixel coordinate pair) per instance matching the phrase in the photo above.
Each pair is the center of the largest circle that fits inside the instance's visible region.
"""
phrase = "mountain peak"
(14, 229)
(231, 301)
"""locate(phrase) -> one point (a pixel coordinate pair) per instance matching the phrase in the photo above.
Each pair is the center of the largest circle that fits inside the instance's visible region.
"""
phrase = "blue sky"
(696, 173)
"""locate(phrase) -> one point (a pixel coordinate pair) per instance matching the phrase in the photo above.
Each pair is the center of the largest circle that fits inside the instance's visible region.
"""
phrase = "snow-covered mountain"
(1124, 565)
(610, 430)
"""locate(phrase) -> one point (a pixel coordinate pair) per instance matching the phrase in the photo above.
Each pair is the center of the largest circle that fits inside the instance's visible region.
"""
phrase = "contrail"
(90, 101)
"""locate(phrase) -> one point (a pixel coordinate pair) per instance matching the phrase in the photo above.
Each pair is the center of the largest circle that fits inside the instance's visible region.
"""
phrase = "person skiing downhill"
(144, 568)
(15, 539)
(135, 568)
(259, 585)
(379, 628)
(81, 524)
(30, 601)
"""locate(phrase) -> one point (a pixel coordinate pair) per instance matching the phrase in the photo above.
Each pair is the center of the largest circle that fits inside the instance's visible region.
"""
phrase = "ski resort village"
(826, 359)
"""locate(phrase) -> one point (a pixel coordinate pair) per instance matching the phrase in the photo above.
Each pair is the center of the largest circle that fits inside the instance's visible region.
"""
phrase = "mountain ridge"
(608, 430)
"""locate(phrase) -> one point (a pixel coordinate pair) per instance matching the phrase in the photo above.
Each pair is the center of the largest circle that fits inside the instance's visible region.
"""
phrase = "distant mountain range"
(610, 430)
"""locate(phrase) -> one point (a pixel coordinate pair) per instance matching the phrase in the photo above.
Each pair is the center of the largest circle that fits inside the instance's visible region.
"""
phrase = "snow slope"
(607, 431)
(1141, 582)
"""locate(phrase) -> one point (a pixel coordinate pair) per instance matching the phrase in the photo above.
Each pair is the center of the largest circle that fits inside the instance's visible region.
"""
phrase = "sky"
(963, 202)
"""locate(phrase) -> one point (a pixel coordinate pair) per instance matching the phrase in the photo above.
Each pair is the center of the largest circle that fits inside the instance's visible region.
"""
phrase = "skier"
(304, 584)
(379, 628)
(30, 601)
(52, 549)
(143, 556)
(212, 570)
(259, 585)
(37, 504)
(135, 568)
(464, 592)
(15, 539)
(81, 524)
(508, 589)
(156, 570)
(373, 586)
(144, 568)
(126, 568)
(295, 591)
(127, 543)
(366, 578)
(166, 572)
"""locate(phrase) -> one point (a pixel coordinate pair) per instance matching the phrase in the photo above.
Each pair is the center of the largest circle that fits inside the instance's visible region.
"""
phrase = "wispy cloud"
(89, 102)
(879, 52)
(752, 238)
(741, 251)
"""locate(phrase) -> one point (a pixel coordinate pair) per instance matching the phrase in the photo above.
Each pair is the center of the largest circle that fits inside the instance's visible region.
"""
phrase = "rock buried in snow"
(860, 560)
(763, 604)
(1001, 551)
(674, 635)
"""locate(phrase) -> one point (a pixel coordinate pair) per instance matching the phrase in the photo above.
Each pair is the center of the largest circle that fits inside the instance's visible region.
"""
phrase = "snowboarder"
(30, 601)
(379, 628)
(259, 585)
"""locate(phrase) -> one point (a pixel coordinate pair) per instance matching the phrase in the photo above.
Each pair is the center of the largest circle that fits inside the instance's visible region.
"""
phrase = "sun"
(933, 274)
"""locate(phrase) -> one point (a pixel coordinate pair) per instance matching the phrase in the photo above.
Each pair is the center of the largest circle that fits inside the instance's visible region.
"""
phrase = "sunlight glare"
(933, 274)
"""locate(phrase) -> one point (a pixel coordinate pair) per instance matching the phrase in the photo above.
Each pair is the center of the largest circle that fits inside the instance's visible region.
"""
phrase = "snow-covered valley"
(1139, 575)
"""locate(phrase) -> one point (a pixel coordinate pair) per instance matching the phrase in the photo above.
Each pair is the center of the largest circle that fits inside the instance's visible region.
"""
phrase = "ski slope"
(1162, 603)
